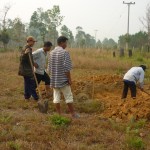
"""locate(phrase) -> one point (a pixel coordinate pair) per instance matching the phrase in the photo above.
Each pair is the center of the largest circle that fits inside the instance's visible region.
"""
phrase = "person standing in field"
(60, 66)
(25, 70)
(134, 75)
(40, 58)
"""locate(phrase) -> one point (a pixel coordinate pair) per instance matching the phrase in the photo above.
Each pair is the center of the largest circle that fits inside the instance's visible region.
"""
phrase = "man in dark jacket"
(25, 70)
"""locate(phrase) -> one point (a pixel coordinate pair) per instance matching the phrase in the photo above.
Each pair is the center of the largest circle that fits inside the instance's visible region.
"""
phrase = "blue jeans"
(30, 88)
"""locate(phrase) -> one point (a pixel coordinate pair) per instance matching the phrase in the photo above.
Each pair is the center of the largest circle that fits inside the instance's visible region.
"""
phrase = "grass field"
(97, 86)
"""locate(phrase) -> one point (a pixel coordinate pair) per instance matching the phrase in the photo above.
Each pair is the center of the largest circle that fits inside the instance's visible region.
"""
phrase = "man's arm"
(68, 66)
(68, 74)
(36, 56)
(141, 80)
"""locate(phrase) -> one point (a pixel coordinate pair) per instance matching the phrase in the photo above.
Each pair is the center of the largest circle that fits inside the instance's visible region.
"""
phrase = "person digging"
(131, 78)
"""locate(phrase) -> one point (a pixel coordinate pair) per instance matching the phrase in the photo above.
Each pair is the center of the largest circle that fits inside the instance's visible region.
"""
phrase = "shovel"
(42, 104)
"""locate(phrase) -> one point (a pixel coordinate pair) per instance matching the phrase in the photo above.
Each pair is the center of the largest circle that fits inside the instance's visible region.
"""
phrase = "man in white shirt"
(134, 75)
(40, 58)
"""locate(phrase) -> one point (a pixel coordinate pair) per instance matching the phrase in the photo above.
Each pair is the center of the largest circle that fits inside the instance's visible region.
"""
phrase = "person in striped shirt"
(59, 67)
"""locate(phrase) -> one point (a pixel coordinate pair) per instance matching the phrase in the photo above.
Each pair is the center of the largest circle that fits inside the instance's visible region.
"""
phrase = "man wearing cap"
(25, 69)
(60, 66)
(134, 75)
(40, 58)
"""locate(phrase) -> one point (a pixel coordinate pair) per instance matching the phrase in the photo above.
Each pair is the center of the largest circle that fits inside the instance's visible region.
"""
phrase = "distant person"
(26, 71)
(40, 58)
(60, 67)
(134, 75)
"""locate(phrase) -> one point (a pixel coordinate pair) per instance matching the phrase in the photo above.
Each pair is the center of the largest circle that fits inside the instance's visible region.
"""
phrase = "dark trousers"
(127, 85)
(45, 78)
(30, 88)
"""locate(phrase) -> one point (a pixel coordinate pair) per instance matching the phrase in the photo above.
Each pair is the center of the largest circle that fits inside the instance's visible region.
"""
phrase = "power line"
(128, 24)
(119, 18)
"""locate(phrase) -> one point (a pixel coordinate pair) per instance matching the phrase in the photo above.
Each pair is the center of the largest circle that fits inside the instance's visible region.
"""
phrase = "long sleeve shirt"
(59, 65)
(135, 74)
(40, 57)
(25, 68)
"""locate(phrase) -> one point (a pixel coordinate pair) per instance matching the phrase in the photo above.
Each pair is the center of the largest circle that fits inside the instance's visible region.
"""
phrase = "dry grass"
(22, 127)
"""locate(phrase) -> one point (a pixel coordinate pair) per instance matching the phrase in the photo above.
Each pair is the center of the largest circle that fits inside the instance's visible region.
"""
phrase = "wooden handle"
(40, 95)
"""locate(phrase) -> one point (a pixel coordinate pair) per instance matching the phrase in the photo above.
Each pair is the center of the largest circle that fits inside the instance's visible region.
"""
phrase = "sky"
(108, 17)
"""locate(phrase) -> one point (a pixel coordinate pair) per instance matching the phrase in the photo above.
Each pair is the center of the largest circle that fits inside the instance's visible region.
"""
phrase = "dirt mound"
(130, 109)
(108, 89)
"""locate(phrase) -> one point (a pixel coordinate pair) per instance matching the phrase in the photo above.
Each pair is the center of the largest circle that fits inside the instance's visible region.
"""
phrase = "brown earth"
(108, 89)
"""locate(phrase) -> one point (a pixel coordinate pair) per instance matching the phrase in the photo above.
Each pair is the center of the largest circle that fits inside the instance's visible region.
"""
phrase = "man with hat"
(25, 69)
(131, 78)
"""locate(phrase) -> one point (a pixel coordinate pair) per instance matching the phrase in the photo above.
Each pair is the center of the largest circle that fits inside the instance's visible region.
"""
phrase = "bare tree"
(146, 23)
(4, 36)
(6, 9)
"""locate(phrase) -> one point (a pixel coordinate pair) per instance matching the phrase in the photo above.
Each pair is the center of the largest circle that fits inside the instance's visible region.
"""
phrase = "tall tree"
(146, 22)
(37, 24)
(44, 24)
(54, 20)
(137, 40)
(65, 31)
(17, 31)
(109, 43)
(80, 37)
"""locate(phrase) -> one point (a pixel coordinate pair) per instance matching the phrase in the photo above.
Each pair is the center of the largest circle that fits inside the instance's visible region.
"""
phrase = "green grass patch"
(140, 59)
(5, 119)
(59, 121)
(14, 146)
(138, 124)
(135, 142)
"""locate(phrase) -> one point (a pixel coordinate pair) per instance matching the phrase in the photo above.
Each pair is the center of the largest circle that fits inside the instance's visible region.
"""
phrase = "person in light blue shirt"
(40, 58)
(131, 78)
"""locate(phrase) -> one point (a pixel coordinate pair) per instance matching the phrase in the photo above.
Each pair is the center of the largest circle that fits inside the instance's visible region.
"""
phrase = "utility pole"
(128, 25)
(95, 36)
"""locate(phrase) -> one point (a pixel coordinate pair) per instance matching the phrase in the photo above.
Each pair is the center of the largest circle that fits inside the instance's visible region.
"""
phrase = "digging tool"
(42, 104)
(144, 91)
(93, 89)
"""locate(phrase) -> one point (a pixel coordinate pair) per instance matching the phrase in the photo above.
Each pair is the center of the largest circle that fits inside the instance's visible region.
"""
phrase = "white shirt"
(135, 74)
(40, 57)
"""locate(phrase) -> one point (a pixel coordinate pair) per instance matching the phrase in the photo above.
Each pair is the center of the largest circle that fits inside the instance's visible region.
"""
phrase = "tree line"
(44, 26)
